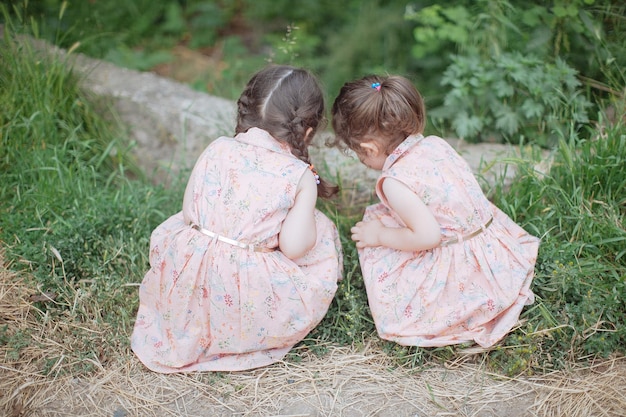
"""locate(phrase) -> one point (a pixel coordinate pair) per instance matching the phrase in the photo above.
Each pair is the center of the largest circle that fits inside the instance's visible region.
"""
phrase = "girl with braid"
(249, 266)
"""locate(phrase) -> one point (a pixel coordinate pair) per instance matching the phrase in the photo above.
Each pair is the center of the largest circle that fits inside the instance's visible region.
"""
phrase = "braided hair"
(285, 101)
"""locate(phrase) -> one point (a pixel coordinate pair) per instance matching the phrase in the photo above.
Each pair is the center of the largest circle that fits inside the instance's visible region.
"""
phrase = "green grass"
(348, 320)
(76, 214)
(579, 208)
(69, 212)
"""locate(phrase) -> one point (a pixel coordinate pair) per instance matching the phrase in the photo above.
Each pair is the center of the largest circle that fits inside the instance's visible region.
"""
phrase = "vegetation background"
(76, 212)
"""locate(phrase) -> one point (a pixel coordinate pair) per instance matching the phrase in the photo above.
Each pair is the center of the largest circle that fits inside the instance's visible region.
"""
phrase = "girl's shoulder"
(220, 144)
(428, 148)
(434, 147)
(435, 140)
(423, 157)
(222, 141)
(219, 148)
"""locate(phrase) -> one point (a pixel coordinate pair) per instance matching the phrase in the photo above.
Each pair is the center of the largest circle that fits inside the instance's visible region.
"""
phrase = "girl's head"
(288, 103)
(378, 110)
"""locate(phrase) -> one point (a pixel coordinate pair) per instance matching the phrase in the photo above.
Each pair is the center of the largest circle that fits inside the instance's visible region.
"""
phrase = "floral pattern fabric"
(207, 305)
(473, 290)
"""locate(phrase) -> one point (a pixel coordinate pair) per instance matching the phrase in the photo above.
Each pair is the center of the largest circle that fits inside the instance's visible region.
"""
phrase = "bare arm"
(298, 232)
(421, 232)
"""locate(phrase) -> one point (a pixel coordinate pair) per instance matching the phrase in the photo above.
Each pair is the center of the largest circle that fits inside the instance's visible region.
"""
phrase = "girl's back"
(441, 264)
(256, 181)
(209, 305)
(248, 267)
(474, 285)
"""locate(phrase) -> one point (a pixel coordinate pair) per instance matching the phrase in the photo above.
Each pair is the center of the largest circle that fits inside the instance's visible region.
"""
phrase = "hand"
(367, 233)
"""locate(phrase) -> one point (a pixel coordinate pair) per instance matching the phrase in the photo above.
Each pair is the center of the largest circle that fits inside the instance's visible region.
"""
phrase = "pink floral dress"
(209, 305)
(472, 290)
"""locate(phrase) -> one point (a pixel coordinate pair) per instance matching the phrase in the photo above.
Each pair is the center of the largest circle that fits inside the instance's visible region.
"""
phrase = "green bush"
(510, 97)
(580, 38)
(104, 26)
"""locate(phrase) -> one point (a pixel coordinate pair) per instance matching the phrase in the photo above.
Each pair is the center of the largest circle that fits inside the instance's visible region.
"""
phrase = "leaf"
(565, 11)
(455, 33)
(532, 16)
(458, 15)
(590, 25)
(503, 89)
(467, 126)
(424, 34)
(174, 20)
(532, 109)
(507, 120)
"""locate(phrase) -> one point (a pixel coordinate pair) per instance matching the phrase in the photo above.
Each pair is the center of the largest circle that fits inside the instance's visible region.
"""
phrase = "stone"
(170, 124)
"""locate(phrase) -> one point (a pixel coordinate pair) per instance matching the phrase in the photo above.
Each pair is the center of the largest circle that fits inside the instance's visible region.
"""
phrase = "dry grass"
(344, 382)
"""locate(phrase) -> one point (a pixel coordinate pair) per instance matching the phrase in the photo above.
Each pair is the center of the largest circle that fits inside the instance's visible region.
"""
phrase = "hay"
(598, 390)
(346, 382)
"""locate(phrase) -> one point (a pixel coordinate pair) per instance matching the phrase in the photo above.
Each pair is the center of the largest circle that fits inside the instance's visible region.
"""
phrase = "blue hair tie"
(376, 86)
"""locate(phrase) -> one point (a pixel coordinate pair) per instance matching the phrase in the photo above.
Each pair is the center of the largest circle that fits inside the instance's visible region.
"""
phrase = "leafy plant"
(510, 97)
(484, 34)
(572, 30)
(438, 25)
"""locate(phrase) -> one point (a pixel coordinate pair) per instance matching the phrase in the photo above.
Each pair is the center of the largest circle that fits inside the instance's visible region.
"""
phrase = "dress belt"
(232, 241)
(468, 236)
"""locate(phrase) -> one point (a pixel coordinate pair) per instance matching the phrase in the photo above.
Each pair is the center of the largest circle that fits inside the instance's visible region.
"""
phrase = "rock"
(171, 124)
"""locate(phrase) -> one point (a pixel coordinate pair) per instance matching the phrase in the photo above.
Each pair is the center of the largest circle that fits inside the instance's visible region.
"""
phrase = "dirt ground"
(344, 382)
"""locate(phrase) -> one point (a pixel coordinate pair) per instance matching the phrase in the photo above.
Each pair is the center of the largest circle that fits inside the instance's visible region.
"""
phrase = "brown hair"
(387, 109)
(285, 101)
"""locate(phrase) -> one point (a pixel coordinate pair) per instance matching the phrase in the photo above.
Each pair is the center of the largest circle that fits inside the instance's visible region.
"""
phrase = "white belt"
(232, 241)
(468, 236)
